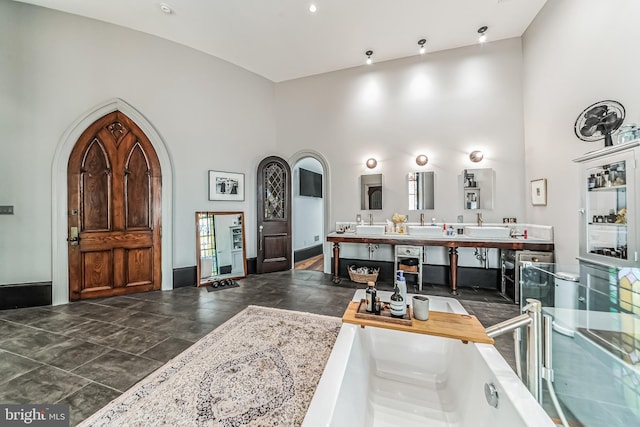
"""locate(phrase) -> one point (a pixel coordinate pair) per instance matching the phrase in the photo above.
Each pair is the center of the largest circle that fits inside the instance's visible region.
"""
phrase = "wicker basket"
(361, 277)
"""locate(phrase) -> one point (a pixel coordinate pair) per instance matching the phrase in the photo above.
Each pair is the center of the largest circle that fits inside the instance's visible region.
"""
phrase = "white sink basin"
(486, 232)
(371, 230)
(425, 230)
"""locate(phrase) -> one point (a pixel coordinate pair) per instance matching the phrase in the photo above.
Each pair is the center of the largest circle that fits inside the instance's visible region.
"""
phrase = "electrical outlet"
(6, 210)
(316, 238)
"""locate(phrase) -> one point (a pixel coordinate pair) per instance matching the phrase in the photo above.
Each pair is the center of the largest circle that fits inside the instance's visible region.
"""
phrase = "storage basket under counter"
(363, 274)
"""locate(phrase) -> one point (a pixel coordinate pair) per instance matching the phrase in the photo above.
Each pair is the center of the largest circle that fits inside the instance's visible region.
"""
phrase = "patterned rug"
(260, 368)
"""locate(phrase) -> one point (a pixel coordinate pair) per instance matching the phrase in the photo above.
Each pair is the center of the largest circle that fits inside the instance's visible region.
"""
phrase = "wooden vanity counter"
(453, 243)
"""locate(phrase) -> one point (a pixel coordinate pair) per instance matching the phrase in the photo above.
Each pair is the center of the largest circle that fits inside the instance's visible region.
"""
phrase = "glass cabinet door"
(608, 209)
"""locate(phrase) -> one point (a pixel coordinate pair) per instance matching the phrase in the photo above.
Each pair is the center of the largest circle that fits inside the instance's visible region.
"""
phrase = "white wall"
(443, 104)
(308, 212)
(56, 66)
(517, 102)
(576, 52)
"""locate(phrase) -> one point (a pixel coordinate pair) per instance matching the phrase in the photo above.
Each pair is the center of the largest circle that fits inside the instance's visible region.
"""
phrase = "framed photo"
(226, 186)
(539, 192)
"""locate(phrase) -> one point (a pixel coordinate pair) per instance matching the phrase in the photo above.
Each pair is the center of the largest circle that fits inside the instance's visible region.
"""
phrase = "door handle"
(260, 236)
(74, 238)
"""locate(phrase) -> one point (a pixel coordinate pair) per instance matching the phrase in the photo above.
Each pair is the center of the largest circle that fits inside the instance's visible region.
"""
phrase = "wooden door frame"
(326, 198)
(59, 252)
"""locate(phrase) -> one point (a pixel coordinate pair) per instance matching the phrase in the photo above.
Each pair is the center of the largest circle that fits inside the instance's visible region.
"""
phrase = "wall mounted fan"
(599, 121)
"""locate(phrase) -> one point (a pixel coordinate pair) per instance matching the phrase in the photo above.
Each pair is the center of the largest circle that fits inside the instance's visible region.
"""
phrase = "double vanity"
(503, 237)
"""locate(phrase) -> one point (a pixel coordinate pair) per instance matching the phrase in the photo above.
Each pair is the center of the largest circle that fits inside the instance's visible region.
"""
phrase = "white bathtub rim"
(512, 388)
(324, 401)
(385, 295)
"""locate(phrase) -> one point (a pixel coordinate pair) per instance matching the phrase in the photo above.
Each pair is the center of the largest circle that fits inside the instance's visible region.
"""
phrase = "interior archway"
(326, 200)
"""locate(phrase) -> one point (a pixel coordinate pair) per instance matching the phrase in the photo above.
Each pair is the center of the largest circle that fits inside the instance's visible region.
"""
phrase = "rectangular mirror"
(371, 192)
(478, 187)
(421, 190)
(220, 246)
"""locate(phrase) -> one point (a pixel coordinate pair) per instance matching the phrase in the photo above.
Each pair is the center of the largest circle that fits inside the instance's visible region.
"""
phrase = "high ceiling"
(282, 40)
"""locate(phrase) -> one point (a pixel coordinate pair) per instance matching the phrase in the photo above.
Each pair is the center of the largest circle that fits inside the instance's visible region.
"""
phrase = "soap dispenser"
(401, 285)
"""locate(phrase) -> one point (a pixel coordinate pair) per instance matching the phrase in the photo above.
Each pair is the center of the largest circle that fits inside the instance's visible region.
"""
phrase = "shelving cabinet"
(403, 252)
(608, 213)
(237, 264)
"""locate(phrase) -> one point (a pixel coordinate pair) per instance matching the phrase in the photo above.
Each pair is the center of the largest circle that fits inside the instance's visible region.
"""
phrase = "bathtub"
(380, 377)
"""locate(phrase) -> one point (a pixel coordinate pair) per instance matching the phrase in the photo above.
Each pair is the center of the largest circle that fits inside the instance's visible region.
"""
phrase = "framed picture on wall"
(227, 186)
(539, 192)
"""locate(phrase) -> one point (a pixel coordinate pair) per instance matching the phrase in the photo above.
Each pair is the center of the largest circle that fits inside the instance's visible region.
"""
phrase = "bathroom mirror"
(478, 188)
(371, 192)
(421, 190)
(220, 246)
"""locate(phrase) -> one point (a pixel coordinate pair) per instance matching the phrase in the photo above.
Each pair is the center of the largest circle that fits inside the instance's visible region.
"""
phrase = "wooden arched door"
(274, 215)
(114, 211)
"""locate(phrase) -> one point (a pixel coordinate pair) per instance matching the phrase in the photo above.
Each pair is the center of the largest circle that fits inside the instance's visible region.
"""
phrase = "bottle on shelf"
(377, 306)
(397, 304)
(370, 297)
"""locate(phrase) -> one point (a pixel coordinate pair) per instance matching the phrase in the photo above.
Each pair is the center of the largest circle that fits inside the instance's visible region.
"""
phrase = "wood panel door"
(114, 211)
(274, 215)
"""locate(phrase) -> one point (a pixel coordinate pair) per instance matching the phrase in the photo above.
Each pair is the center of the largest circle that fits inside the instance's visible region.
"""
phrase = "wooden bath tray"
(464, 327)
(384, 316)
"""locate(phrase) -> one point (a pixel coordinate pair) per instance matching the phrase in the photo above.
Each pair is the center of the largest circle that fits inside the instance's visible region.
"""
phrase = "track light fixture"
(483, 34)
(369, 60)
(421, 43)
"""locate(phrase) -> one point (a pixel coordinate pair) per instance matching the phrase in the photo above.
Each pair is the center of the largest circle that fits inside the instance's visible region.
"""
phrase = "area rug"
(260, 368)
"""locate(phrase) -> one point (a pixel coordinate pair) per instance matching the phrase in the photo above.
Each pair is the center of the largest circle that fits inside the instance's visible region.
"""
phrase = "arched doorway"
(60, 270)
(114, 211)
(311, 208)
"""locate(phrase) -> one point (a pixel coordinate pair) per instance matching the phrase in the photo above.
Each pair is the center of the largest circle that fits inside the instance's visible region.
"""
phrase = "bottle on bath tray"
(401, 284)
(370, 297)
(397, 304)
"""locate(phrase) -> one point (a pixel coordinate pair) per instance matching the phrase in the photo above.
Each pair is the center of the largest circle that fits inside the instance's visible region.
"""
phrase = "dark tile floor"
(87, 353)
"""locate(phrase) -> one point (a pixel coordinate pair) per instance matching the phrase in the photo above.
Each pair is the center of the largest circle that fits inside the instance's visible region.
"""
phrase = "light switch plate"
(6, 210)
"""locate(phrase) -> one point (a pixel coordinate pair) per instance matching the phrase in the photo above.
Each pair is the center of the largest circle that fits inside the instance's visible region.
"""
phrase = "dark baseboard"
(306, 253)
(184, 277)
(251, 266)
(431, 274)
(22, 295)
(25, 295)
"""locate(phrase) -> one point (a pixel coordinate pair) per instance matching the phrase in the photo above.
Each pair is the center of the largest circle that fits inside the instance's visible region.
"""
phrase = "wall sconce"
(476, 156)
(422, 160)
(483, 34)
(371, 163)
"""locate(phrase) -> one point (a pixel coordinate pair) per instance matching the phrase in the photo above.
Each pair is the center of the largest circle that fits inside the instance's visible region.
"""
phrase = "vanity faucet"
(479, 219)
(370, 219)
(422, 219)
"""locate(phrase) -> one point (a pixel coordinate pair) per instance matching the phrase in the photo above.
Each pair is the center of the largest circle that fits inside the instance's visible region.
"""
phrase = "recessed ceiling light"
(166, 8)
(369, 60)
(421, 43)
(313, 8)
(483, 33)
